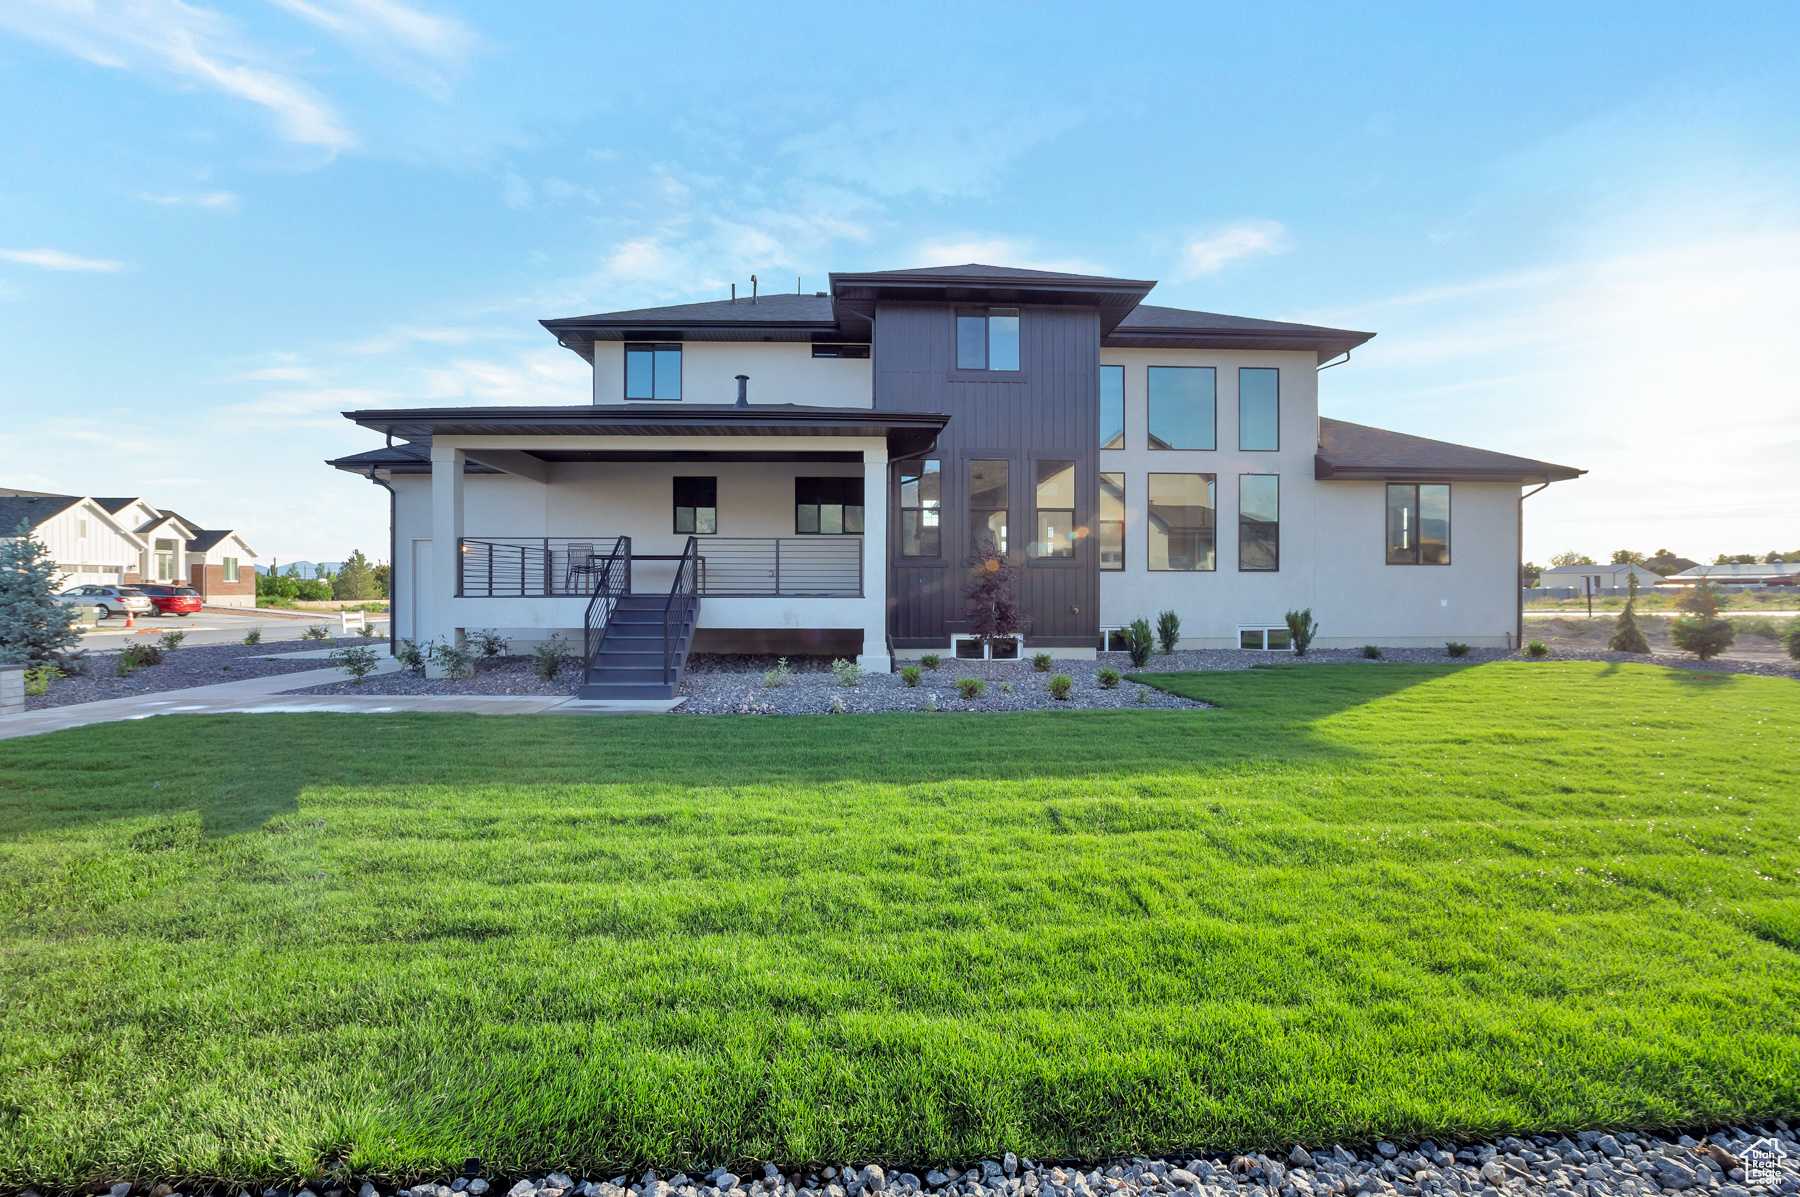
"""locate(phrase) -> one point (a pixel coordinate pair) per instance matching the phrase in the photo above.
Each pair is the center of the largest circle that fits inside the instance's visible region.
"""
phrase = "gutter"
(394, 562)
(1519, 558)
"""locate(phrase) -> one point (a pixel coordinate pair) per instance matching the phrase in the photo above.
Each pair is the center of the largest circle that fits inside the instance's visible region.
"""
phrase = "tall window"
(1180, 515)
(697, 506)
(1259, 523)
(828, 505)
(987, 504)
(229, 568)
(1055, 509)
(1418, 524)
(1182, 408)
(653, 372)
(1112, 407)
(921, 493)
(165, 560)
(1112, 521)
(1259, 408)
(988, 340)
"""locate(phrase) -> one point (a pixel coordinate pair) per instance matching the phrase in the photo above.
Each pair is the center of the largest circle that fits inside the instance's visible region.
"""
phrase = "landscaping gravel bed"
(199, 665)
(493, 675)
(1746, 1161)
(1214, 659)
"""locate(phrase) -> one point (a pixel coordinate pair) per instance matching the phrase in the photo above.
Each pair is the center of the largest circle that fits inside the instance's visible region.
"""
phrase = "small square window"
(696, 506)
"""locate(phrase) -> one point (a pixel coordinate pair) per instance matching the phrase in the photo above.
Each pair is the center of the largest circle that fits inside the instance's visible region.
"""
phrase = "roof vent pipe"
(743, 390)
(753, 288)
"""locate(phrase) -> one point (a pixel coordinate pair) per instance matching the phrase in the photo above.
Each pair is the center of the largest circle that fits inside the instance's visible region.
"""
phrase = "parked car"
(172, 600)
(109, 600)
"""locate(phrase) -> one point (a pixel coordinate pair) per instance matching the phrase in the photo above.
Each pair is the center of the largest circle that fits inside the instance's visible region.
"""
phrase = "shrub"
(1372, 652)
(253, 636)
(1061, 686)
(1168, 631)
(931, 660)
(911, 676)
(1006, 687)
(781, 675)
(1793, 639)
(313, 590)
(136, 656)
(1139, 642)
(1705, 638)
(489, 642)
(455, 659)
(848, 672)
(1108, 678)
(35, 624)
(38, 678)
(991, 603)
(317, 632)
(358, 662)
(931, 702)
(547, 657)
(409, 654)
(1627, 637)
(1456, 650)
(837, 706)
(1302, 627)
(171, 641)
(1757, 625)
(1537, 648)
(1040, 662)
(971, 688)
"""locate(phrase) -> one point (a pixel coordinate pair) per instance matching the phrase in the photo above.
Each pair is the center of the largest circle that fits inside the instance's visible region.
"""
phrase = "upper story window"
(653, 371)
(1418, 524)
(988, 340)
(828, 506)
(1259, 408)
(988, 504)
(1182, 407)
(921, 490)
(1055, 509)
(1112, 521)
(840, 351)
(1112, 407)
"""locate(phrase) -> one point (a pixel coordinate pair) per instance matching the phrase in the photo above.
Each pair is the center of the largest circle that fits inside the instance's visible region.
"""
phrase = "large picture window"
(1259, 523)
(1418, 524)
(1112, 521)
(988, 506)
(828, 506)
(988, 340)
(697, 506)
(1112, 407)
(653, 372)
(1259, 408)
(1182, 404)
(1055, 509)
(921, 494)
(1180, 513)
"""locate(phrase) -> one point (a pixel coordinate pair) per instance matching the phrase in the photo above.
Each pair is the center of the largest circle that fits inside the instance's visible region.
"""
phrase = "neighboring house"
(1760, 573)
(1593, 579)
(121, 541)
(808, 473)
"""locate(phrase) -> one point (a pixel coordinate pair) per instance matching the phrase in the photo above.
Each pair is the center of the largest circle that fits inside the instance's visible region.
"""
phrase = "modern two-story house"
(811, 473)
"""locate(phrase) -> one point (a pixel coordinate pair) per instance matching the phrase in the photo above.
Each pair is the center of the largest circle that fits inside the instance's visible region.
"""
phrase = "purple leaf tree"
(991, 603)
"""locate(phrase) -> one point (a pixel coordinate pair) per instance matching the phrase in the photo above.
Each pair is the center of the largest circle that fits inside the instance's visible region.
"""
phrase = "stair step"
(636, 677)
(608, 690)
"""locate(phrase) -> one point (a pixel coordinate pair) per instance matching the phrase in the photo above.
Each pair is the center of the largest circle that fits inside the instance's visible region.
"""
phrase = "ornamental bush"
(35, 624)
(1168, 631)
(1705, 638)
(1139, 642)
(1061, 686)
(1302, 627)
(1627, 637)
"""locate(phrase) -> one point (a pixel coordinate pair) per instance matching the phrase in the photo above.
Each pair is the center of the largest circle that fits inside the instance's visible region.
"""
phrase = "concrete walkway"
(265, 696)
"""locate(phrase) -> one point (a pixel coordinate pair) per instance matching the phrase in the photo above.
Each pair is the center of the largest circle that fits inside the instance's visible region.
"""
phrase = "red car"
(172, 600)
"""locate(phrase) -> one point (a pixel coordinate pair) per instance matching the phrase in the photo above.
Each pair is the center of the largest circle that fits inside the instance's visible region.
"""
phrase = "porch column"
(875, 654)
(446, 533)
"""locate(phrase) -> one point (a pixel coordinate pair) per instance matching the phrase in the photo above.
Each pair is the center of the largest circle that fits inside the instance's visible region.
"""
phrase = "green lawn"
(1355, 901)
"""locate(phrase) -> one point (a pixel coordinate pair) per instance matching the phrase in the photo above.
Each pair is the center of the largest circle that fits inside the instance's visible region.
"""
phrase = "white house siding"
(96, 559)
(780, 372)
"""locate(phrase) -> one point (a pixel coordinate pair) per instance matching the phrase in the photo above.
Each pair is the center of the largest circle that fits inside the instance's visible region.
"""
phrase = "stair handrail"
(684, 597)
(611, 581)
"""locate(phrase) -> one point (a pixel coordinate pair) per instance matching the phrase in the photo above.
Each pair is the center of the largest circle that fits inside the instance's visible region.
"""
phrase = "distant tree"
(383, 577)
(355, 580)
(35, 625)
(1665, 563)
(1736, 559)
(1701, 600)
(1627, 557)
(1571, 557)
(1791, 558)
(1627, 637)
(313, 590)
(1529, 574)
(1705, 638)
(991, 603)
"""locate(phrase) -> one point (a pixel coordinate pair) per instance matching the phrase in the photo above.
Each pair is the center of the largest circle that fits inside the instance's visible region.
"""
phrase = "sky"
(1575, 228)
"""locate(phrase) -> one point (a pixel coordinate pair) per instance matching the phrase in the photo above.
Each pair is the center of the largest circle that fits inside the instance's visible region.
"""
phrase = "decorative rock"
(936, 1179)
(477, 1186)
(560, 1180)
(1183, 1178)
(368, 1190)
(1300, 1157)
(726, 1181)
(1010, 1165)
(1492, 1172)
(1675, 1175)
(1388, 1150)
(873, 1178)
(122, 1189)
(1608, 1146)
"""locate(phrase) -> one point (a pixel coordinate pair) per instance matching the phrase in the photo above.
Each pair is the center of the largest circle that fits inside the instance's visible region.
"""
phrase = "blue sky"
(1575, 228)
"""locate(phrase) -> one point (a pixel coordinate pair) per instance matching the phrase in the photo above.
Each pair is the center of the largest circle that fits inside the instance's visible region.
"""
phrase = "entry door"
(421, 591)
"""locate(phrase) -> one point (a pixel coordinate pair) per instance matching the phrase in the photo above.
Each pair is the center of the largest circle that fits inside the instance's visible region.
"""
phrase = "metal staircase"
(637, 644)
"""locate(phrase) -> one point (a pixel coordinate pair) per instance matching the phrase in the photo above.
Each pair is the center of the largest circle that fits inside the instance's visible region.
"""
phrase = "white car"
(109, 600)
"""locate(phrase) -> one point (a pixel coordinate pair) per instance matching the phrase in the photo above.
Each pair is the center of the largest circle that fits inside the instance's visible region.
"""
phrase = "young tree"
(35, 626)
(1570, 557)
(1627, 557)
(383, 578)
(1529, 573)
(1627, 637)
(1702, 599)
(991, 603)
(355, 580)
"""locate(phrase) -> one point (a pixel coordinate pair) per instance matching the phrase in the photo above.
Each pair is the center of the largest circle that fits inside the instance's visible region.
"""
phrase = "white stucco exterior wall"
(780, 372)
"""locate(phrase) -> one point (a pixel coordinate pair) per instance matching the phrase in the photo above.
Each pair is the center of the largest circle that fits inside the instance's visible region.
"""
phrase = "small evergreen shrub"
(931, 660)
(1456, 650)
(971, 688)
(1372, 652)
(911, 675)
(358, 662)
(1040, 662)
(1627, 637)
(1302, 627)
(1108, 678)
(35, 624)
(546, 658)
(848, 672)
(1705, 638)
(253, 636)
(1537, 648)
(1139, 642)
(1168, 631)
(1061, 686)
(170, 641)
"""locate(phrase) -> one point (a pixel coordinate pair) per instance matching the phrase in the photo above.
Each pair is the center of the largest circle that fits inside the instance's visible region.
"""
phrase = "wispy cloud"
(191, 44)
(211, 199)
(414, 45)
(56, 259)
(1209, 255)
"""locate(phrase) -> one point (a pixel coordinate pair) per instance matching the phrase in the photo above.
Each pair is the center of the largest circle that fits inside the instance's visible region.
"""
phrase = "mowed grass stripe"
(1354, 901)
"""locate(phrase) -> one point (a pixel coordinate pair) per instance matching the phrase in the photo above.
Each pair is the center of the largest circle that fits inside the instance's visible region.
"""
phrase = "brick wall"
(210, 581)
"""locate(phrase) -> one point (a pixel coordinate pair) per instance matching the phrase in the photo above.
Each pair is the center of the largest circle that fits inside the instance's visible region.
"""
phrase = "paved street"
(216, 626)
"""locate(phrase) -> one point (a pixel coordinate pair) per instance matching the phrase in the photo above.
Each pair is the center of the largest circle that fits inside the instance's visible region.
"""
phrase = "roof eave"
(1325, 470)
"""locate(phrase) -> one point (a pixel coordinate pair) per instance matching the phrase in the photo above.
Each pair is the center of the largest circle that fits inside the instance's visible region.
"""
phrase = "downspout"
(393, 562)
(1518, 578)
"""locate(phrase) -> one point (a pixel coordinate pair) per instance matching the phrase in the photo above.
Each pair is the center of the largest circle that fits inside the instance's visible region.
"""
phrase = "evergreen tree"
(35, 626)
(355, 580)
(1627, 637)
(991, 603)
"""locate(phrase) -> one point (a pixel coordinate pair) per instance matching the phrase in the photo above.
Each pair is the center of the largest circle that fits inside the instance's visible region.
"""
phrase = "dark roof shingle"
(35, 510)
(1357, 451)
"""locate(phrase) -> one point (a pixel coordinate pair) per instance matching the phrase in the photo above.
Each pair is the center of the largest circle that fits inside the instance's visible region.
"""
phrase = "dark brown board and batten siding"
(1050, 409)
